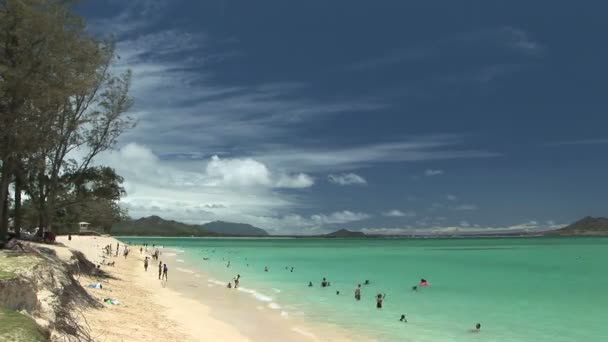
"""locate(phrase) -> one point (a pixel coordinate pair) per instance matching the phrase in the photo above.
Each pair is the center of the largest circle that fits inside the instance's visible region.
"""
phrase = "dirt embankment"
(40, 282)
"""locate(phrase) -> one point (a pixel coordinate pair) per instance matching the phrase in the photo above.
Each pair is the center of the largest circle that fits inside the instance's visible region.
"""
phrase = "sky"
(302, 117)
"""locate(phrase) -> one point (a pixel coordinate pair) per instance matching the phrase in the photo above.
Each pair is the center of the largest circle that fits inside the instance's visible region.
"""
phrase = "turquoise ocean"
(519, 289)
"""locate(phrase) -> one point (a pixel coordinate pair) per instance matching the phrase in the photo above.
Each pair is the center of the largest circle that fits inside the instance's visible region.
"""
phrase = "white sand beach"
(151, 310)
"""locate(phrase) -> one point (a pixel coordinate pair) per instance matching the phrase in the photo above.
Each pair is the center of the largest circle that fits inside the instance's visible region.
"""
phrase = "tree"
(57, 96)
(39, 41)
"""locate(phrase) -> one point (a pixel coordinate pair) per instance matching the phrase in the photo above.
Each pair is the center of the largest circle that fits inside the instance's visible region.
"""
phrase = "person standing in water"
(266, 269)
(477, 328)
(403, 319)
(358, 292)
(379, 300)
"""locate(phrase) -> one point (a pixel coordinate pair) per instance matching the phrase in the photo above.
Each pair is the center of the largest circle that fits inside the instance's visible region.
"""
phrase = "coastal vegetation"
(61, 105)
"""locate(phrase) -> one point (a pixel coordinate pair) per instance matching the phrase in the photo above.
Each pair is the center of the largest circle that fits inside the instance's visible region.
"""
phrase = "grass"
(11, 265)
(16, 327)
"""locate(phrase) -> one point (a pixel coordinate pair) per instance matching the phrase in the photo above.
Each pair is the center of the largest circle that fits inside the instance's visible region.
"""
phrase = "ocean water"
(537, 289)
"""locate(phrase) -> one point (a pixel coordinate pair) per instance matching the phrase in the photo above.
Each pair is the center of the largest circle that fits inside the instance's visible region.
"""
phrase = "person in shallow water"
(310, 284)
(366, 282)
(415, 288)
(477, 328)
(403, 319)
(424, 282)
(379, 300)
(358, 292)
(266, 269)
(324, 283)
(337, 293)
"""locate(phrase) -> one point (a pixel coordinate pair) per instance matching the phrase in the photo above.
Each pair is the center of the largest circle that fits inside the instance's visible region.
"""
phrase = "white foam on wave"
(259, 296)
(284, 314)
(276, 290)
(179, 260)
(274, 306)
(170, 254)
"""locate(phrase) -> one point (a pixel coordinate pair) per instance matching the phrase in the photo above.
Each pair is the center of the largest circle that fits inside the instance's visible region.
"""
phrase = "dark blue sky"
(386, 116)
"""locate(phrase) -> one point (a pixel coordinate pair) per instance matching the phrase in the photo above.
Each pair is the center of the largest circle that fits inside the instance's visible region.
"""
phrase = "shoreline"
(187, 308)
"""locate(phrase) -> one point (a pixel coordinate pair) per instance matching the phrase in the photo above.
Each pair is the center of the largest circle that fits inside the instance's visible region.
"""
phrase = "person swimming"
(477, 328)
(403, 319)
(415, 288)
(324, 283)
(358, 292)
(366, 282)
(424, 282)
(266, 269)
(310, 284)
(337, 293)
(291, 269)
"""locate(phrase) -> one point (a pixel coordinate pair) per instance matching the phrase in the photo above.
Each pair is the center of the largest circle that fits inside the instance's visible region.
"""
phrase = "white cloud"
(399, 213)
(347, 179)
(465, 207)
(340, 217)
(234, 189)
(463, 228)
(451, 197)
(299, 180)
(431, 172)
(348, 158)
(237, 172)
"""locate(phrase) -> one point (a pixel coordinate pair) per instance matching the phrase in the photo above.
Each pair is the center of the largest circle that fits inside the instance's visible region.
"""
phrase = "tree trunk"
(17, 219)
(5, 180)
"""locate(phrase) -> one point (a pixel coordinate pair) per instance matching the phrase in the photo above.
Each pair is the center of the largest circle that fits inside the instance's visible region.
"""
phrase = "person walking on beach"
(358, 292)
(117, 246)
(146, 264)
(160, 269)
(165, 270)
(237, 280)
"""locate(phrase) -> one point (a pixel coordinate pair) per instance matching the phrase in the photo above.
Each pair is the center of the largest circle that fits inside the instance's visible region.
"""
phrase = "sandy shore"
(182, 309)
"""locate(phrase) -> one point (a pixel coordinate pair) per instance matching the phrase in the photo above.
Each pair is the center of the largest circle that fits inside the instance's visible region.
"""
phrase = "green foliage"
(16, 327)
(57, 96)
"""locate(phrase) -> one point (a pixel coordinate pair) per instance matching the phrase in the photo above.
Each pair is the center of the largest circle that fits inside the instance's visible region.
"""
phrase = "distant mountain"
(345, 233)
(221, 227)
(157, 226)
(588, 226)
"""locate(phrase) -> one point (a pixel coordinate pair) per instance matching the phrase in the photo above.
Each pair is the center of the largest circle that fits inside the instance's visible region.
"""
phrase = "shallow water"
(540, 289)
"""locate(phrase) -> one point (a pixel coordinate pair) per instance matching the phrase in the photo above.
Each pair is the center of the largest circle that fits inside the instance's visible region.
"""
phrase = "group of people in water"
(379, 298)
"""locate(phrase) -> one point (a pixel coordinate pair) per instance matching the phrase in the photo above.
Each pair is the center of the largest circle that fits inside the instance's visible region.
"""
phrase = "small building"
(84, 226)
